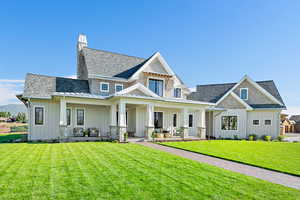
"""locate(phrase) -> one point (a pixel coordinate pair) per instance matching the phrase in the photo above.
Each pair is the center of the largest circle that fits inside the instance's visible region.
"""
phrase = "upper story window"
(39, 115)
(244, 93)
(118, 87)
(177, 92)
(104, 87)
(156, 86)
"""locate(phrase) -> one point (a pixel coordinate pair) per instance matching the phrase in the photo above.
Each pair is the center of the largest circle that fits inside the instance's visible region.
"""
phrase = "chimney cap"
(82, 38)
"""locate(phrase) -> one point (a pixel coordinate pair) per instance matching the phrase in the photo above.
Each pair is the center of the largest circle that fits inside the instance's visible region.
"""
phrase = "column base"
(201, 132)
(149, 131)
(63, 131)
(113, 132)
(122, 130)
(185, 132)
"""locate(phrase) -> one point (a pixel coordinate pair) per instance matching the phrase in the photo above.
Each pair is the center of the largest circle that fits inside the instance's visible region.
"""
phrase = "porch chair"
(94, 132)
(78, 132)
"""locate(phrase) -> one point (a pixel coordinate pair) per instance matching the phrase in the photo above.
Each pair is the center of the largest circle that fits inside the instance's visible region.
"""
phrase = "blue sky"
(204, 42)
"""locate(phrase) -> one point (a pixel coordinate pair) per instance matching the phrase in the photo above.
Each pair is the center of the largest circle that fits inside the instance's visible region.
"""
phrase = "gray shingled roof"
(41, 86)
(111, 64)
(295, 118)
(212, 93)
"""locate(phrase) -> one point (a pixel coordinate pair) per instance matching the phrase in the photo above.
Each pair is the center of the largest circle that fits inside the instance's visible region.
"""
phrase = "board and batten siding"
(262, 129)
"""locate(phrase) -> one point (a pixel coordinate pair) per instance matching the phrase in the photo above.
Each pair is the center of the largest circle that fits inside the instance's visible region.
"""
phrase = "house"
(242, 108)
(287, 125)
(113, 94)
(296, 119)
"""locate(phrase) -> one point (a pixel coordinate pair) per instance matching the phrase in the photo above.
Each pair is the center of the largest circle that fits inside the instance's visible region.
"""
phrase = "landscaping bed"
(102, 170)
(279, 156)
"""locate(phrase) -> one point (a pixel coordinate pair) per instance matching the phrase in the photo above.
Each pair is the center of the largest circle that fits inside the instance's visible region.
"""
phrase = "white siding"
(241, 126)
(262, 129)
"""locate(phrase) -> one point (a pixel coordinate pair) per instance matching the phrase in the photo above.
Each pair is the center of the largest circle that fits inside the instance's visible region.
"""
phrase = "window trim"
(70, 117)
(44, 119)
(102, 83)
(255, 120)
(119, 84)
(180, 92)
(157, 78)
(247, 93)
(268, 124)
(84, 117)
(237, 122)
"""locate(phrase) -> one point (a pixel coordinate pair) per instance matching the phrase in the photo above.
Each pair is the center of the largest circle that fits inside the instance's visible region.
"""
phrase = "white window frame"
(102, 83)
(180, 92)
(71, 111)
(44, 119)
(157, 78)
(84, 117)
(268, 124)
(118, 84)
(255, 120)
(247, 93)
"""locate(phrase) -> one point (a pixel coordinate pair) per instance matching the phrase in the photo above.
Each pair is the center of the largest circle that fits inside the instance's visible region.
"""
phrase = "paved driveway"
(291, 137)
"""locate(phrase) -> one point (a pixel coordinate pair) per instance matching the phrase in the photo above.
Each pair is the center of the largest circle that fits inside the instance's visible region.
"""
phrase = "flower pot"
(160, 135)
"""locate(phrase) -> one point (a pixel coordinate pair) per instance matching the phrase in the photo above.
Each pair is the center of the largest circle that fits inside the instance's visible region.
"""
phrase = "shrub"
(252, 137)
(19, 128)
(267, 138)
(235, 137)
(125, 137)
(280, 138)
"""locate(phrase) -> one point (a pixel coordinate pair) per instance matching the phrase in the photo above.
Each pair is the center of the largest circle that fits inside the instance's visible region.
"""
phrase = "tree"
(5, 114)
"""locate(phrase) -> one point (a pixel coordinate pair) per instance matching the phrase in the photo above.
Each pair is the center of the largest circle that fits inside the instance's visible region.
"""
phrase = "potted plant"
(86, 132)
(125, 137)
(167, 134)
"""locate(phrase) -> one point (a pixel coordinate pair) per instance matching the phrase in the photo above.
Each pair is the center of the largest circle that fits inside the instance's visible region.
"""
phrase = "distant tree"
(21, 117)
(5, 114)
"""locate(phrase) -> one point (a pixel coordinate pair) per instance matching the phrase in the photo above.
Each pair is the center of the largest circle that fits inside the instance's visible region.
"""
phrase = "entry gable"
(138, 90)
(155, 64)
(232, 101)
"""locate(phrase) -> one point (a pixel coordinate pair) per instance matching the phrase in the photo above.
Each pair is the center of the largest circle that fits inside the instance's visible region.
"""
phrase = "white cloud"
(9, 89)
(72, 76)
(292, 110)
(193, 89)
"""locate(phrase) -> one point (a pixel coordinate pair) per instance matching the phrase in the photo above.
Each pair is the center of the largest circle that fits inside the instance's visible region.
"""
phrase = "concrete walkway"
(267, 175)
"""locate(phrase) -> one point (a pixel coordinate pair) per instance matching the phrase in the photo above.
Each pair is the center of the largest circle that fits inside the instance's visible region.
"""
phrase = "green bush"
(19, 128)
(125, 137)
(267, 138)
(252, 137)
(280, 138)
(236, 137)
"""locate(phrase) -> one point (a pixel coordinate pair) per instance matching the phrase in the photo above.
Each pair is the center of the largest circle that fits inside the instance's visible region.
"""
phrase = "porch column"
(122, 120)
(149, 121)
(113, 121)
(63, 118)
(201, 124)
(184, 122)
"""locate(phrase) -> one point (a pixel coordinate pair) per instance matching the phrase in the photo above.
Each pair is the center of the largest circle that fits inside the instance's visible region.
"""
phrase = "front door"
(158, 120)
(192, 125)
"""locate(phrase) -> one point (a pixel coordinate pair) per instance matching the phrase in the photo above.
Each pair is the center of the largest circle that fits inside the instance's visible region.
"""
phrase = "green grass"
(10, 137)
(120, 171)
(280, 156)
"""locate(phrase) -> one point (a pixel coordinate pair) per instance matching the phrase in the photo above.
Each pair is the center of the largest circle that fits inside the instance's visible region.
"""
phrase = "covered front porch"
(132, 118)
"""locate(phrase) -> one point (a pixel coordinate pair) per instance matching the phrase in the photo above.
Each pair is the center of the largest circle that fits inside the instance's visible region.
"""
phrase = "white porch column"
(149, 121)
(122, 120)
(113, 121)
(201, 123)
(184, 122)
(63, 118)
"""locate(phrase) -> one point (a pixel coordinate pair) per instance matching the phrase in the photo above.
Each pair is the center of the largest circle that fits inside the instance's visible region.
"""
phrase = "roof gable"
(232, 101)
(137, 90)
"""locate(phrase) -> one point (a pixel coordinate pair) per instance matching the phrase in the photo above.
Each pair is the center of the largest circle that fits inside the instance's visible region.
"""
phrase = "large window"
(156, 86)
(268, 122)
(244, 93)
(229, 123)
(39, 115)
(191, 120)
(104, 87)
(118, 87)
(158, 120)
(177, 92)
(80, 117)
(68, 117)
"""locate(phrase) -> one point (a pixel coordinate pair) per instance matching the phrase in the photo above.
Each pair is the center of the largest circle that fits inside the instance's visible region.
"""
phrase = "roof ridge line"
(122, 54)
(55, 76)
(232, 83)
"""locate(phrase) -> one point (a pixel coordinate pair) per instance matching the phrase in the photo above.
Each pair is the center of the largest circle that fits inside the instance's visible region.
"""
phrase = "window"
(68, 117)
(177, 92)
(39, 115)
(104, 87)
(156, 86)
(174, 120)
(80, 117)
(268, 122)
(158, 120)
(256, 122)
(229, 123)
(190, 120)
(118, 87)
(244, 93)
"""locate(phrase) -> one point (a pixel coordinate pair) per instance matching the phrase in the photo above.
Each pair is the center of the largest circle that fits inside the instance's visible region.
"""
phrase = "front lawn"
(280, 156)
(120, 171)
